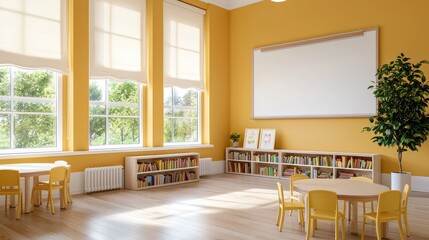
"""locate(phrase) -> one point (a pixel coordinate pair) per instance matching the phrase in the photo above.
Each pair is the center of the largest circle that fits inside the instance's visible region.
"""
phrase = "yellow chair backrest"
(389, 201)
(323, 200)
(9, 178)
(280, 193)
(362, 179)
(294, 178)
(58, 174)
(405, 194)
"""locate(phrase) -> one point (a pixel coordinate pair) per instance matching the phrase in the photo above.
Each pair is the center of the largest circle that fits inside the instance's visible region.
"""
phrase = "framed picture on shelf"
(267, 139)
(251, 138)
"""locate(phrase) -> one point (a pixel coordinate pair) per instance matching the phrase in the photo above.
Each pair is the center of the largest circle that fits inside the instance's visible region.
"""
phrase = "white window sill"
(101, 151)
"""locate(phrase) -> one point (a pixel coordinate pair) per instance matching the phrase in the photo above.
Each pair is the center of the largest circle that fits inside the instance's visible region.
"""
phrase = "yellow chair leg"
(69, 196)
(307, 236)
(5, 203)
(401, 232)
(343, 229)
(51, 201)
(64, 198)
(407, 228)
(336, 230)
(378, 230)
(363, 229)
(278, 215)
(282, 216)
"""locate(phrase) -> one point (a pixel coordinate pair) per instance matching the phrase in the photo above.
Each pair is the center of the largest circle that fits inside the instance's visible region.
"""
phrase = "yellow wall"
(402, 28)
(216, 102)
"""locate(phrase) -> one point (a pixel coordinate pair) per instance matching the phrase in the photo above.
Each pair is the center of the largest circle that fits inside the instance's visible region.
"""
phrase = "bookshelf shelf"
(151, 171)
(167, 170)
(315, 164)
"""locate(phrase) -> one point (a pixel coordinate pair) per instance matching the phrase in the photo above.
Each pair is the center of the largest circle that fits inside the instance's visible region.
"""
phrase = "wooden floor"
(218, 207)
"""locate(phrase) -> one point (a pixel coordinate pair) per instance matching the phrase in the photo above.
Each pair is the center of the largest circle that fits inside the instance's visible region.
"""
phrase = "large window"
(183, 72)
(29, 110)
(181, 115)
(115, 113)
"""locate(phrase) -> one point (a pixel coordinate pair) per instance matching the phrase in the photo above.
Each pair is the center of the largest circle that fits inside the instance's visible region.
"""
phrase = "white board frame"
(370, 101)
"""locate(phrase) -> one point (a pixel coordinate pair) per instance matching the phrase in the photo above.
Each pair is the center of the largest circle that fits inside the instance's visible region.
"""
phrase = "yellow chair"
(404, 207)
(364, 202)
(69, 197)
(284, 206)
(57, 181)
(323, 205)
(388, 209)
(10, 185)
(292, 179)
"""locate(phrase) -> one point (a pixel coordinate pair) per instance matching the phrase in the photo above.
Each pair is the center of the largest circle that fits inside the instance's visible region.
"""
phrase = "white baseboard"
(418, 183)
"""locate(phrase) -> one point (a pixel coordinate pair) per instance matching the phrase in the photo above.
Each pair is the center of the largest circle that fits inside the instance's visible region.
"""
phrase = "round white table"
(346, 190)
(27, 170)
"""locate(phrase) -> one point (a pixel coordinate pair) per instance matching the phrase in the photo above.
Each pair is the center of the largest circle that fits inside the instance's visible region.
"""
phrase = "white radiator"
(104, 178)
(205, 166)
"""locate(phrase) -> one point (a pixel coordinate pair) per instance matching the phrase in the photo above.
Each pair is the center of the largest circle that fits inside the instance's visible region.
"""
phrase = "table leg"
(11, 201)
(36, 193)
(354, 220)
(27, 195)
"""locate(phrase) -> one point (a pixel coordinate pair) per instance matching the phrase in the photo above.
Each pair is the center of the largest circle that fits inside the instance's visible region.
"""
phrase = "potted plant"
(403, 95)
(234, 137)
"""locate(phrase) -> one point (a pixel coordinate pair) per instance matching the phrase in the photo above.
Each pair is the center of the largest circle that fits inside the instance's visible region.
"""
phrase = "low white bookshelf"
(315, 164)
(151, 171)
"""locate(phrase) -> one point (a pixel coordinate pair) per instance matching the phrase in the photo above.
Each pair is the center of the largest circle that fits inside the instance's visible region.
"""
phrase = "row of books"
(266, 157)
(287, 172)
(268, 171)
(353, 163)
(319, 174)
(308, 160)
(345, 175)
(239, 167)
(159, 179)
(239, 155)
(165, 164)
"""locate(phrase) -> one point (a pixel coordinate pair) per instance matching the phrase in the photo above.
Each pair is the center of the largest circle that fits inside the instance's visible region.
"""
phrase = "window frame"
(199, 119)
(58, 113)
(107, 103)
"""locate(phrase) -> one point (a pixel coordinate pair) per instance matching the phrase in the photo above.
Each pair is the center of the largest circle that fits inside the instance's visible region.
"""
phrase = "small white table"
(27, 170)
(346, 190)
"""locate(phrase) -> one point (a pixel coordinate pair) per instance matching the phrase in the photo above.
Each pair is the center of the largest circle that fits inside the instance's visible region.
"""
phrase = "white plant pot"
(398, 180)
(235, 144)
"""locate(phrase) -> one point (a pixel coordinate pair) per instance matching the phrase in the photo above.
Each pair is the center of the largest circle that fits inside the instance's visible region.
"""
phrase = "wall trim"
(102, 151)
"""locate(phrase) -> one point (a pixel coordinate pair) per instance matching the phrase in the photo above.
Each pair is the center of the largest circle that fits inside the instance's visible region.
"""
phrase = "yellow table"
(346, 190)
(28, 170)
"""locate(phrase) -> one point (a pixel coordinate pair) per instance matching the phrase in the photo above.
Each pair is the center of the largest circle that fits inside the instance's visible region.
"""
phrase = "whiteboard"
(323, 77)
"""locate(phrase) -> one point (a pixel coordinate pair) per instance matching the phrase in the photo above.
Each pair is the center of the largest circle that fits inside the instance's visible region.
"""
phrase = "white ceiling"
(231, 4)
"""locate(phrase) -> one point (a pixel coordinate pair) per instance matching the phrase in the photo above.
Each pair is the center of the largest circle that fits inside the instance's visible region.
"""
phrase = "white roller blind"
(183, 45)
(118, 40)
(33, 34)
